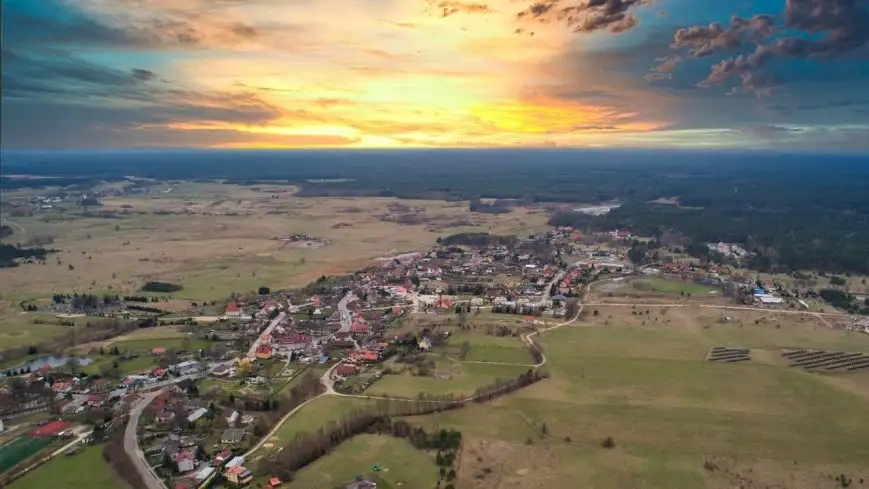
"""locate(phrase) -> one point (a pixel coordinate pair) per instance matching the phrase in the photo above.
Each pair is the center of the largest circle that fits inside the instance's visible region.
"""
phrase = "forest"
(799, 210)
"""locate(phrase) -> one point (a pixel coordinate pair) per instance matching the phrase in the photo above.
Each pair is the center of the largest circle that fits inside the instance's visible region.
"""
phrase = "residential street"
(131, 445)
(346, 317)
(277, 320)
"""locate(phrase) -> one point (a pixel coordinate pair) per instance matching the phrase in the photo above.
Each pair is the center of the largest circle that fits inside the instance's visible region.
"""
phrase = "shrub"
(608, 443)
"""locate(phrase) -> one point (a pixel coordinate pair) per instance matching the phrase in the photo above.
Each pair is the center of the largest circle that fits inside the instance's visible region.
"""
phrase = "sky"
(435, 73)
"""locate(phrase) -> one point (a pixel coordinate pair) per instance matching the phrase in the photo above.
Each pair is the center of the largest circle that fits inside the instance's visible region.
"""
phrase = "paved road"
(547, 292)
(346, 316)
(131, 445)
(166, 383)
(252, 352)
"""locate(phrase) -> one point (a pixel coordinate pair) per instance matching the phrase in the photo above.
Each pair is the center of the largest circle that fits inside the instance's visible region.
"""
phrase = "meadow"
(402, 465)
(459, 379)
(675, 419)
(84, 470)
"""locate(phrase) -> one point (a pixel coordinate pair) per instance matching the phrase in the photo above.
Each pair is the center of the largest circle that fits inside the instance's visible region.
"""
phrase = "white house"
(196, 415)
(232, 418)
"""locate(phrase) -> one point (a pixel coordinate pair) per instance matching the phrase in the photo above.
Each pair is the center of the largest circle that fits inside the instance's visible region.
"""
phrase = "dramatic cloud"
(705, 40)
(587, 15)
(393, 73)
(818, 29)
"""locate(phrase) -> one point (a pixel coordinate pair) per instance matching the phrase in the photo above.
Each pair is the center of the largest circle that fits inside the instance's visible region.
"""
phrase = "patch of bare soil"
(485, 464)
(730, 472)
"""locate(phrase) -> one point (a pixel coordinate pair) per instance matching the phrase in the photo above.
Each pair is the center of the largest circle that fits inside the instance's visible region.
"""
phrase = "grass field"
(134, 365)
(487, 348)
(146, 345)
(17, 328)
(318, 413)
(18, 450)
(470, 377)
(672, 287)
(84, 470)
(669, 411)
(403, 465)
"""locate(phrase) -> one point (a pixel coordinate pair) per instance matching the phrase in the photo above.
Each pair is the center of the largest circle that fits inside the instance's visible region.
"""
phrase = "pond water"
(53, 361)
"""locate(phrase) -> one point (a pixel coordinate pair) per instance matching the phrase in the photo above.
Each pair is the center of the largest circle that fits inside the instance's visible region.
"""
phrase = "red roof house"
(346, 369)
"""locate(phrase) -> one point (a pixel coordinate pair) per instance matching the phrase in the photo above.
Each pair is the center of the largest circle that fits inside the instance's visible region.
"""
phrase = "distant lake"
(53, 361)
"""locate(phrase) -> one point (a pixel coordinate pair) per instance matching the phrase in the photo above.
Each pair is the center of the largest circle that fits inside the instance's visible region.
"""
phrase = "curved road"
(131, 444)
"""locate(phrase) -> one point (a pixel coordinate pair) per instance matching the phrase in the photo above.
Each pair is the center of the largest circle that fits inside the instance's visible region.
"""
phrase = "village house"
(185, 461)
(346, 370)
(233, 310)
(264, 352)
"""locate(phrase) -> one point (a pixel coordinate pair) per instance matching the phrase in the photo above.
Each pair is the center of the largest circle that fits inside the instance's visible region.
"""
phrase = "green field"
(20, 449)
(673, 287)
(142, 363)
(668, 411)
(84, 470)
(17, 327)
(518, 356)
(402, 465)
(470, 377)
(146, 345)
(318, 413)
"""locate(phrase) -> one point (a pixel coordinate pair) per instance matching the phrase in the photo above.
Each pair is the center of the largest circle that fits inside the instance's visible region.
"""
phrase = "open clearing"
(84, 470)
(402, 465)
(669, 411)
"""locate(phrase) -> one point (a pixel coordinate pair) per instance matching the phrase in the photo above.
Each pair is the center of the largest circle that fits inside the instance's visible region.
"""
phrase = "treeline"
(165, 287)
(476, 239)
(496, 207)
(845, 301)
(9, 254)
(140, 298)
(503, 387)
(783, 241)
(154, 310)
(535, 350)
(86, 301)
(119, 460)
(517, 309)
(306, 448)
